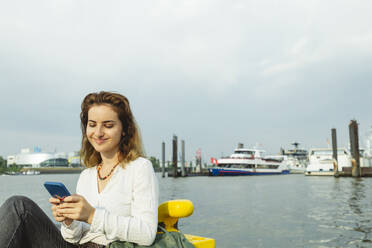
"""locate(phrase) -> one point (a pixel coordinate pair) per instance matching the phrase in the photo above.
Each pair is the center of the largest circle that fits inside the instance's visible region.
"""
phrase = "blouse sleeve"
(74, 232)
(141, 226)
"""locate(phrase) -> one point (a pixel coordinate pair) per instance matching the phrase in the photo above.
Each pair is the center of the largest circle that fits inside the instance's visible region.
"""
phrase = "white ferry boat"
(293, 164)
(296, 158)
(321, 161)
(249, 162)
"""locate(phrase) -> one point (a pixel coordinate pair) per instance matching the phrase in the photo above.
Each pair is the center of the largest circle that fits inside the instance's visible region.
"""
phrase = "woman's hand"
(58, 217)
(75, 207)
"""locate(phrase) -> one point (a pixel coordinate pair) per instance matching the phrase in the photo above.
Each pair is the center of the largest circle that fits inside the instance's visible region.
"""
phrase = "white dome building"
(29, 159)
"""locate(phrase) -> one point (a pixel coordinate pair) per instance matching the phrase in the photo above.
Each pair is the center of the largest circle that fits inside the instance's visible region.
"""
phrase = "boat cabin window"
(267, 166)
(226, 165)
(244, 152)
(239, 166)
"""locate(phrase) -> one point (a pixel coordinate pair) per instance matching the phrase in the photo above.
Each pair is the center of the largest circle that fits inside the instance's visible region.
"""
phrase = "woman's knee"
(16, 199)
(19, 203)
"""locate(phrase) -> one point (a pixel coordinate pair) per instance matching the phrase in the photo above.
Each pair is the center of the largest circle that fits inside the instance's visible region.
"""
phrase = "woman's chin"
(99, 148)
(103, 149)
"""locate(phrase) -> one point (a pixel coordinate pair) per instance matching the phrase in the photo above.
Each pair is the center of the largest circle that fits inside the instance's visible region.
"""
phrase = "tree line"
(4, 168)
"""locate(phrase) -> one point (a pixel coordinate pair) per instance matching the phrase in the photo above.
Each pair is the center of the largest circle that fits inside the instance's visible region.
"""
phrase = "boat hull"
(297, 171)
(239, 172)
(319, 173)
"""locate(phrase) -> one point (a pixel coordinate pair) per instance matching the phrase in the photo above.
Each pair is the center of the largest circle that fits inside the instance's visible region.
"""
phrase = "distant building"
(55, 162)
(37, 159)
(28, 159)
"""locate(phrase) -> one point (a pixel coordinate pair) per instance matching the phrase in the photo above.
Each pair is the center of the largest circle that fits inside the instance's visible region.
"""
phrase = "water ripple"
(268, 211)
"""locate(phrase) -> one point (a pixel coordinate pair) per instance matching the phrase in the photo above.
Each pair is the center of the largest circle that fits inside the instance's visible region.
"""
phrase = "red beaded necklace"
(105, 177)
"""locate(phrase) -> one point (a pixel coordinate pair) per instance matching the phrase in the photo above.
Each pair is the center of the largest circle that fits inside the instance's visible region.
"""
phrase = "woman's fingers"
(73, 198)
(58, 217)
(53, 200)
(56, 206)
(67, 211)
(71, 216)
(69, 205)
(75, 207)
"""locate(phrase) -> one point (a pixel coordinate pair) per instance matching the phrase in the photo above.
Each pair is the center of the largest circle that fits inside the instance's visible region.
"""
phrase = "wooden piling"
(354, 147)
(335, 168)
(200, 165)
(334, 143)
(354, 169)
(175, 159)
(183, 173)
(163, 159)
(334, 149)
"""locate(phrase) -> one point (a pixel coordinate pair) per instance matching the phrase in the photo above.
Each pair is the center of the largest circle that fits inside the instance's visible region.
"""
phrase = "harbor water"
(252, 211)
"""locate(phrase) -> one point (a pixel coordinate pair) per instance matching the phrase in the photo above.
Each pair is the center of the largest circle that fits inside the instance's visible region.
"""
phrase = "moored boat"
(249, 162)
(296, 158)
(31, 172)
(321, 161)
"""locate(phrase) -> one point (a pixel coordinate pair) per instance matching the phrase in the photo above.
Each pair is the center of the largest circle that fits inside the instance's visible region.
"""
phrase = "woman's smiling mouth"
(99, 141)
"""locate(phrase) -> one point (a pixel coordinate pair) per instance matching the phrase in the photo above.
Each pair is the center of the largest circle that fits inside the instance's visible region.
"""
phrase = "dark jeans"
(23, 224)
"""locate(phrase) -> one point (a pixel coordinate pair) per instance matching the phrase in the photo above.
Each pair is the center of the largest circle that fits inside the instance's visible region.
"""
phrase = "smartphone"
(57, 190)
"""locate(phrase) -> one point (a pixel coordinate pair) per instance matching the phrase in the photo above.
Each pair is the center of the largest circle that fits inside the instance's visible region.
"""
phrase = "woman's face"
(104, 129)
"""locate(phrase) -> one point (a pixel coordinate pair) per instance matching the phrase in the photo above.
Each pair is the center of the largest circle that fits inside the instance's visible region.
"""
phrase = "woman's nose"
(99, 131)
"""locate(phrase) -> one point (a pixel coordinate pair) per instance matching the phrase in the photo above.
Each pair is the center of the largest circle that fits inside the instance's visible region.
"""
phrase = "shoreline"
(53, 170)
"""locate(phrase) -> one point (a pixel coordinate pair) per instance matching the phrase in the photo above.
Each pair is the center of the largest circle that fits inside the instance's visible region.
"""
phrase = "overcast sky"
(213, 72)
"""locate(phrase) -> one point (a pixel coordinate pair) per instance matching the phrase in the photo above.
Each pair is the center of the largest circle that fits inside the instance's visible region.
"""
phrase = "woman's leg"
(24, 224)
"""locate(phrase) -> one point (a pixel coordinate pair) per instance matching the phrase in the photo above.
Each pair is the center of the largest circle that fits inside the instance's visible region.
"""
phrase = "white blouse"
(126, 209)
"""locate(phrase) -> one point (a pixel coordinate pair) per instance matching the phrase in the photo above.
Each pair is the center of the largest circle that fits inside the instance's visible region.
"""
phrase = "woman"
(117, 195)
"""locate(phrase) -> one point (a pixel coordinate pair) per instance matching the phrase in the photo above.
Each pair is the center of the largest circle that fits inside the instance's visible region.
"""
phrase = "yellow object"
(170, 211)
(200, 242)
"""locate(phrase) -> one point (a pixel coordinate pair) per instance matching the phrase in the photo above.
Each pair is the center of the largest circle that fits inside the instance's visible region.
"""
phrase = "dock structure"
(364, 171)
(183, 171)
(354, 147)
(163, 159)
(355, 170)
(334, 143)
(334, 152)
(174, 157)
(173, 170)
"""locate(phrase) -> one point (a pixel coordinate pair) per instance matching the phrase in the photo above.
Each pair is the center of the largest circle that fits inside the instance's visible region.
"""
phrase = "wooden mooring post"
(175, 159)
(354, 147)
(183, 172)
(200, 165)
(163, 159)
(334, 154)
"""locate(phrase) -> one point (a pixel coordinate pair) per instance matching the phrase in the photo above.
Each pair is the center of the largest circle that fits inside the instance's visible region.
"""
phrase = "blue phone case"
(56, 189)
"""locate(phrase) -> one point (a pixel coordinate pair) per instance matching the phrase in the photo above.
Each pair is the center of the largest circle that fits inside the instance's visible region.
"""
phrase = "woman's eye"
(91, 125)
(109, 126)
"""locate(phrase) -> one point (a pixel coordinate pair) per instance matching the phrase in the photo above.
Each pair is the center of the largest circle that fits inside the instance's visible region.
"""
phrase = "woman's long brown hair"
(130, 146)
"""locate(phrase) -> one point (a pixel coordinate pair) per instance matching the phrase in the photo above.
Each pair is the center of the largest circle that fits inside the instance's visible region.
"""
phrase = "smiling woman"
(101, 112)
(116, 196)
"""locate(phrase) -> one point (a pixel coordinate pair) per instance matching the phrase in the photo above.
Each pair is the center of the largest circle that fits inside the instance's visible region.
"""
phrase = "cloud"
(215, 72)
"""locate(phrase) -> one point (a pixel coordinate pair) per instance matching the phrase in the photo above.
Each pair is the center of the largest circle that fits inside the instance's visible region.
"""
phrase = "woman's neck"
(109, 159)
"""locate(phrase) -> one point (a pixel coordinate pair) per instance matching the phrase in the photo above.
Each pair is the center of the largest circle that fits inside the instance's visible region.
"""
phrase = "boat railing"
(252, 157)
